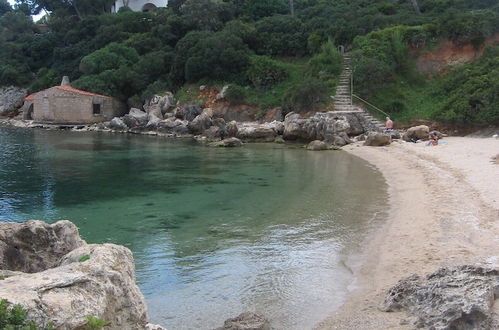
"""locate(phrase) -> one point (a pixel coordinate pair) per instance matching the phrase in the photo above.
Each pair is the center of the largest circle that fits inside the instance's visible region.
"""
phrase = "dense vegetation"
(271, 52)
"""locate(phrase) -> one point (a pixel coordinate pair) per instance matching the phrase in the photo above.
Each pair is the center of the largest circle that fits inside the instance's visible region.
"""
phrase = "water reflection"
(214, 232)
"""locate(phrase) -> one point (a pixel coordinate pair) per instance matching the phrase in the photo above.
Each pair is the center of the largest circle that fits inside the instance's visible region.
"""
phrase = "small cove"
(214, 232)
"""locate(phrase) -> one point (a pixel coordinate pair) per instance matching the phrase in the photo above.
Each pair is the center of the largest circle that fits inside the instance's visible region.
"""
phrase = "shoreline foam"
(443, 210)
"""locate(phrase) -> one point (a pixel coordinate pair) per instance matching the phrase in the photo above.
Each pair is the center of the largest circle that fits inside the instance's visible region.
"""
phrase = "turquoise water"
(214, 232)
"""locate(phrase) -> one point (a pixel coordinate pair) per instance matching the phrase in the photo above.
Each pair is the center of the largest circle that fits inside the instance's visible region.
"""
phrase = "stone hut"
(67, 105)
(139, 5)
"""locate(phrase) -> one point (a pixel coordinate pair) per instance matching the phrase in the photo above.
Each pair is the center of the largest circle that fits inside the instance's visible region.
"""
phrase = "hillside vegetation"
(270, 52)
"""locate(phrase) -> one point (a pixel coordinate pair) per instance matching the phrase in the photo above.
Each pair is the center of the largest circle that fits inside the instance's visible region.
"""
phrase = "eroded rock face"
(85, 279)
(420, 132)
(11, 99)
(455, 298)
(188, 112)
(158, 105)
(375, 139)
(247, 321)
(35, 246)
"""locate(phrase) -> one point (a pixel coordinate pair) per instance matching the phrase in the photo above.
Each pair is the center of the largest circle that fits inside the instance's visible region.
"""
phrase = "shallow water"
(214, 232)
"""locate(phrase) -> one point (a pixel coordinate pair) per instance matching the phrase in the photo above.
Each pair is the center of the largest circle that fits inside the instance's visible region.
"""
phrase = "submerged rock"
(317, 145)
(451, 298)
(59, 278)
(247, 321)
(228, 143)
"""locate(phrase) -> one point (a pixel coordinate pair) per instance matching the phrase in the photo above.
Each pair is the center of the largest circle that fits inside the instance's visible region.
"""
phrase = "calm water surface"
(214, 232)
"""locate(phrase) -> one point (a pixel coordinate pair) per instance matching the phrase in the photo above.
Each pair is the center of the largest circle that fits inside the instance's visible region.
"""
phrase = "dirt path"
(444, 210)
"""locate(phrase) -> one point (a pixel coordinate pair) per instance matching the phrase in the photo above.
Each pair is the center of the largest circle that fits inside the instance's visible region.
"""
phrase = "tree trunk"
(292, 7)
(416, 7)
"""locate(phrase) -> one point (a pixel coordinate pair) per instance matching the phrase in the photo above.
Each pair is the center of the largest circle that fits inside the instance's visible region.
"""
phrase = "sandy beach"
(443, 210)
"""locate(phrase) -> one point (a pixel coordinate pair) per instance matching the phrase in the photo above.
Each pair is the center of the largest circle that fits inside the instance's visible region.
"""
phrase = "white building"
(139, 5)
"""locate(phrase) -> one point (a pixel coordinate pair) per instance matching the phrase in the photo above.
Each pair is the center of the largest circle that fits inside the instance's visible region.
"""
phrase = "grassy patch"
(84, 258)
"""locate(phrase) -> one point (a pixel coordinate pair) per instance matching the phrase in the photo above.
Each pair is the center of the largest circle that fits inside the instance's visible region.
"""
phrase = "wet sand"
(443, 210)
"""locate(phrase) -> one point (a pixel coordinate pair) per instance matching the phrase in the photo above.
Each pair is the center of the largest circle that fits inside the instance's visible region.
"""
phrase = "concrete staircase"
(343, 101)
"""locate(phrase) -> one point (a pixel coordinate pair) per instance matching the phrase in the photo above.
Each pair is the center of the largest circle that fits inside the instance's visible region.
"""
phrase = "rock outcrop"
(375, 139)
(247, 321)
(255, 132)
(11, 99)
(420, 132)
(117, 124)
(450, 298)
(321, 126)
(158, 105)
(59, 278)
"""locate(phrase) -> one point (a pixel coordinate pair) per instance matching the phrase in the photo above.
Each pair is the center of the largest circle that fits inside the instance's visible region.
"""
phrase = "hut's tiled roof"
(31, 97)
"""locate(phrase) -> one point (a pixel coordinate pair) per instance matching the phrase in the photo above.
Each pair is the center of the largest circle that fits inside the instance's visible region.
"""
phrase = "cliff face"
(448, 54)
(57, 277)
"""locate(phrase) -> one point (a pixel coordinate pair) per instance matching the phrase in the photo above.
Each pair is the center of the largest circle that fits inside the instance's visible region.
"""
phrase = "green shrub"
(327, 62)
(95, 323)
(264, 72)
(84, 258)
(236, 94)
(15, 318)
(305, 96)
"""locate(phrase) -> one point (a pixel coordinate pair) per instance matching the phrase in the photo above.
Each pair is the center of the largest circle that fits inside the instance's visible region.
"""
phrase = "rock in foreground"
(376, 139)
(451, 298)
(69, 280)
(247, 321)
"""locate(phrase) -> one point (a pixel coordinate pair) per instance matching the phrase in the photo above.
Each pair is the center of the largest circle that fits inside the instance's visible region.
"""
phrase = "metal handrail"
(372, 105)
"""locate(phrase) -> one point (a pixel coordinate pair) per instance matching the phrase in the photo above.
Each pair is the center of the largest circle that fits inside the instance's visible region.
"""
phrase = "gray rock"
(321, 126)
(173, 126)
(247, 321)
(376, 139)
(202, 122)
(118, 124)
(254, 132)
(188, 112)
(150, 326)
(339, 141)
(223, 93)
(214, 133)
(158, 105)
(450, 298)
(317, 145)
(227, 143)
(153, 122)
(34, 246)
(11, 100)
(420, 132)
(72, 279)
(136, 118)
(231, 128)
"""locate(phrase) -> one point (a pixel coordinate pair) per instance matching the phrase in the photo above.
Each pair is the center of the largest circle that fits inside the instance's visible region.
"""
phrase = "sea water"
(214, 232)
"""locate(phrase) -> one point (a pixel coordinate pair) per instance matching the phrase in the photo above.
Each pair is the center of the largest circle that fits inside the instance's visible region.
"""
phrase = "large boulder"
(188, 112)
(421, 132)
(202, 122)
(247, 321)
(136, 118)
(255, 132)
(11, 99)
(118, 124)
(173, 126)
(317, 145)
(450, 298)
(69, 280)
(153, 122)
(321, 126)
(376, 139)
(231, 128)
(158, 105)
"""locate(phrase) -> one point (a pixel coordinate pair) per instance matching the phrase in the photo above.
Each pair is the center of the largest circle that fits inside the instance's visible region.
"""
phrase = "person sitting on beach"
(388, 125)
(433, 139)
